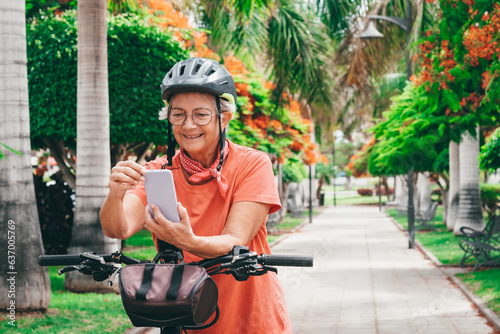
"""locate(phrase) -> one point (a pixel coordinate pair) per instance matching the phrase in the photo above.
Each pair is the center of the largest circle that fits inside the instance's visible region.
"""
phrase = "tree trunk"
(118, 151)
(439, 179)
(424, 192)
(284, 201)
(416, 192)
(401, 191)
(470, 212)
(24, 285)
(319, 190)
(386, 186)
(93, 156)
(57, 150)
(454, 192)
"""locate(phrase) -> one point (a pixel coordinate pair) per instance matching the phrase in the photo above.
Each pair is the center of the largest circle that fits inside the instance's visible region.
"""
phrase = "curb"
(478, 302)
(287, 234)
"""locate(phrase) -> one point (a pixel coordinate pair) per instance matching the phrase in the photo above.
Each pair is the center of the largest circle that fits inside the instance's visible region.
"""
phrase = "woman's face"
(199, 141)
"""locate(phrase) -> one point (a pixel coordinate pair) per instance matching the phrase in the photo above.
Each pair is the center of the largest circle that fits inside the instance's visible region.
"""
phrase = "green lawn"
(78, 313)
(486, 285)
(73, 313)
(485, 282)
(442, 243)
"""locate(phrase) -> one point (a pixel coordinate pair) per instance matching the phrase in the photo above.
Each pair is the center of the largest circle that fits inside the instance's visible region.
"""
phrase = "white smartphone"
(160, 191)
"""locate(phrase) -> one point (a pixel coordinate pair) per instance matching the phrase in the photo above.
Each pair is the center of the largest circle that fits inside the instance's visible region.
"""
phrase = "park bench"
(425, 220)
(483, 246)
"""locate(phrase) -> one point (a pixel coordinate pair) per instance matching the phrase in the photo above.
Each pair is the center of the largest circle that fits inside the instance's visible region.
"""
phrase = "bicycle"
(240, 263)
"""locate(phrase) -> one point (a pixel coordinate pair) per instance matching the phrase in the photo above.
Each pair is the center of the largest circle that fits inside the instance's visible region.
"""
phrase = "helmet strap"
(222, 134)
(171, 145)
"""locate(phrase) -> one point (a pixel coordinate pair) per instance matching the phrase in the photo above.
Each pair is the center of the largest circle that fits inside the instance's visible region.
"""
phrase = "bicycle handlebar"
(264, 259)
(76, 259)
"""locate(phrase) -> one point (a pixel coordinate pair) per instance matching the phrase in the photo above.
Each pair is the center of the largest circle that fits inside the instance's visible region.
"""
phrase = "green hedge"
(490, 197)
(490, 157)
(139, 55)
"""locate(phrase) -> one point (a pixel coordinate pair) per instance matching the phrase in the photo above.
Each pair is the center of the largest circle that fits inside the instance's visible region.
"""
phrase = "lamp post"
(337, 134)
(379, 195)
(310, 195)
(372, 32)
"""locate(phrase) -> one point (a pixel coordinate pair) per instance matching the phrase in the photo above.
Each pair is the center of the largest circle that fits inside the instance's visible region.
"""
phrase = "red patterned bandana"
(200, 173)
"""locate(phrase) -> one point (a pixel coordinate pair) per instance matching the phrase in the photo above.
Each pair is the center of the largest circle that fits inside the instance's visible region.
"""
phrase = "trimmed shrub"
(55, 204)
(490, 197)
(365, 191)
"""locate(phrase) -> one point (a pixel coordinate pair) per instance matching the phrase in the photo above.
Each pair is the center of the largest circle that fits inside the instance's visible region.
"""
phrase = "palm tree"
(93, 157)
(295, 37)
(470, 213)
(361, 62)
(453, 194)
(21, 239)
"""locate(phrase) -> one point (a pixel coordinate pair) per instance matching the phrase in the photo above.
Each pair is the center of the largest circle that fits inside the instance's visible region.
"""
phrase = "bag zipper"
(199, 281)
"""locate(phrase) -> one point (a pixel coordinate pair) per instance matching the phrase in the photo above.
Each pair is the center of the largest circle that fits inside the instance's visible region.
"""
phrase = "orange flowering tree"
(358, 163)
(460, 65)
(280, 131)
(166, 16)
(455, 89)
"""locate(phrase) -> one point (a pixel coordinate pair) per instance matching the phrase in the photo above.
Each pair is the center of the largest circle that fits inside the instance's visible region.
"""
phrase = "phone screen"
(160, 191)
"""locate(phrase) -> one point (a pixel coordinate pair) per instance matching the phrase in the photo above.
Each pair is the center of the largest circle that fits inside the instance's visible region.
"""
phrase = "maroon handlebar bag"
(157, 295)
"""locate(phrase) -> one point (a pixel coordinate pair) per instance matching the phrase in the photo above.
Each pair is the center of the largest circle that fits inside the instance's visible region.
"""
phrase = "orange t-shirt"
(258, 304)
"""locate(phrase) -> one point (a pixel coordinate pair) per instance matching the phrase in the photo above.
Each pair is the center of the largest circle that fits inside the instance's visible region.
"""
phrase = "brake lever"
(68, 269)
(244, 273)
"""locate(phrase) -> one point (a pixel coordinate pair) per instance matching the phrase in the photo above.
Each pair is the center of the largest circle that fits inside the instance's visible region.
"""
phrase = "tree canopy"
(140, 51)
(408, 137)
(460, 66)
(455, 90)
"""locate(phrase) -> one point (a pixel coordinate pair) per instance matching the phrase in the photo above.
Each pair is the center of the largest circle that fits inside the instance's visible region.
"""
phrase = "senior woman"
(224, 191)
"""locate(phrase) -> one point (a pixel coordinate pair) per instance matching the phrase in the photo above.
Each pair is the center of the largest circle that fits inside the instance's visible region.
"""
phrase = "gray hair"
(225, 106)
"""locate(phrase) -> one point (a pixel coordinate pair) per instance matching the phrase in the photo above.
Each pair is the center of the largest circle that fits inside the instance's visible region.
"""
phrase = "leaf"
(442, 129)
(443, 29)
(10, 149)
(452, 100)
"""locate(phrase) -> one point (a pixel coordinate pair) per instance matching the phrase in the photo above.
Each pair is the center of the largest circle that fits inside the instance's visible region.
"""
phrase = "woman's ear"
(226, 117)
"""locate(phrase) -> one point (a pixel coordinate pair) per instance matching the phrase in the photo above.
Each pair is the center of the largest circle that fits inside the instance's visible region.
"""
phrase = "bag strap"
(147, 279)
(173, 290)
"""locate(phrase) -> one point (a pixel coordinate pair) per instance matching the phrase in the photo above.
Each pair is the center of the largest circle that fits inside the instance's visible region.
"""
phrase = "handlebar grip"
(59, 260)
(286, 260)
(76, 259)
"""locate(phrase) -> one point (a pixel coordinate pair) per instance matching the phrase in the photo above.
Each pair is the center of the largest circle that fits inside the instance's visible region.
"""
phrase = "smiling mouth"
(193, 137)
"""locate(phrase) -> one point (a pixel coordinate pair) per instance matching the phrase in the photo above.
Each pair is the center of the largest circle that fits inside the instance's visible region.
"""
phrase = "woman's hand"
(125, 176)
(121, 216)
(178, 234)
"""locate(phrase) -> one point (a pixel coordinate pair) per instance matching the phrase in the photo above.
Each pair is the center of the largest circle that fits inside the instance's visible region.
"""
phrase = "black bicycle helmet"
(203, 76)
(199, 75)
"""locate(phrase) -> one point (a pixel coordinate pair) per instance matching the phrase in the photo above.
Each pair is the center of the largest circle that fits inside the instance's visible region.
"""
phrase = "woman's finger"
(125, 171)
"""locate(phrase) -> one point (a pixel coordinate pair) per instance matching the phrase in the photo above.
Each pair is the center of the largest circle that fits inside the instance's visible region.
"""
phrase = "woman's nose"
(190, 122)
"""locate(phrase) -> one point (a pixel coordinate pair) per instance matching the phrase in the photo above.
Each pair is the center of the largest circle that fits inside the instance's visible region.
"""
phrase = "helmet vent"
(199, 75)
(196, 69)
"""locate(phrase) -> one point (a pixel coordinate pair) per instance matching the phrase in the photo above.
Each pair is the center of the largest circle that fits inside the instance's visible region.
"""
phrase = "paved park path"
(365, 280)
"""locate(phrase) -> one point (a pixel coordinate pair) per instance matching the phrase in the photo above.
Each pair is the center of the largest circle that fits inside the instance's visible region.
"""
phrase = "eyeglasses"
(201, 116)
